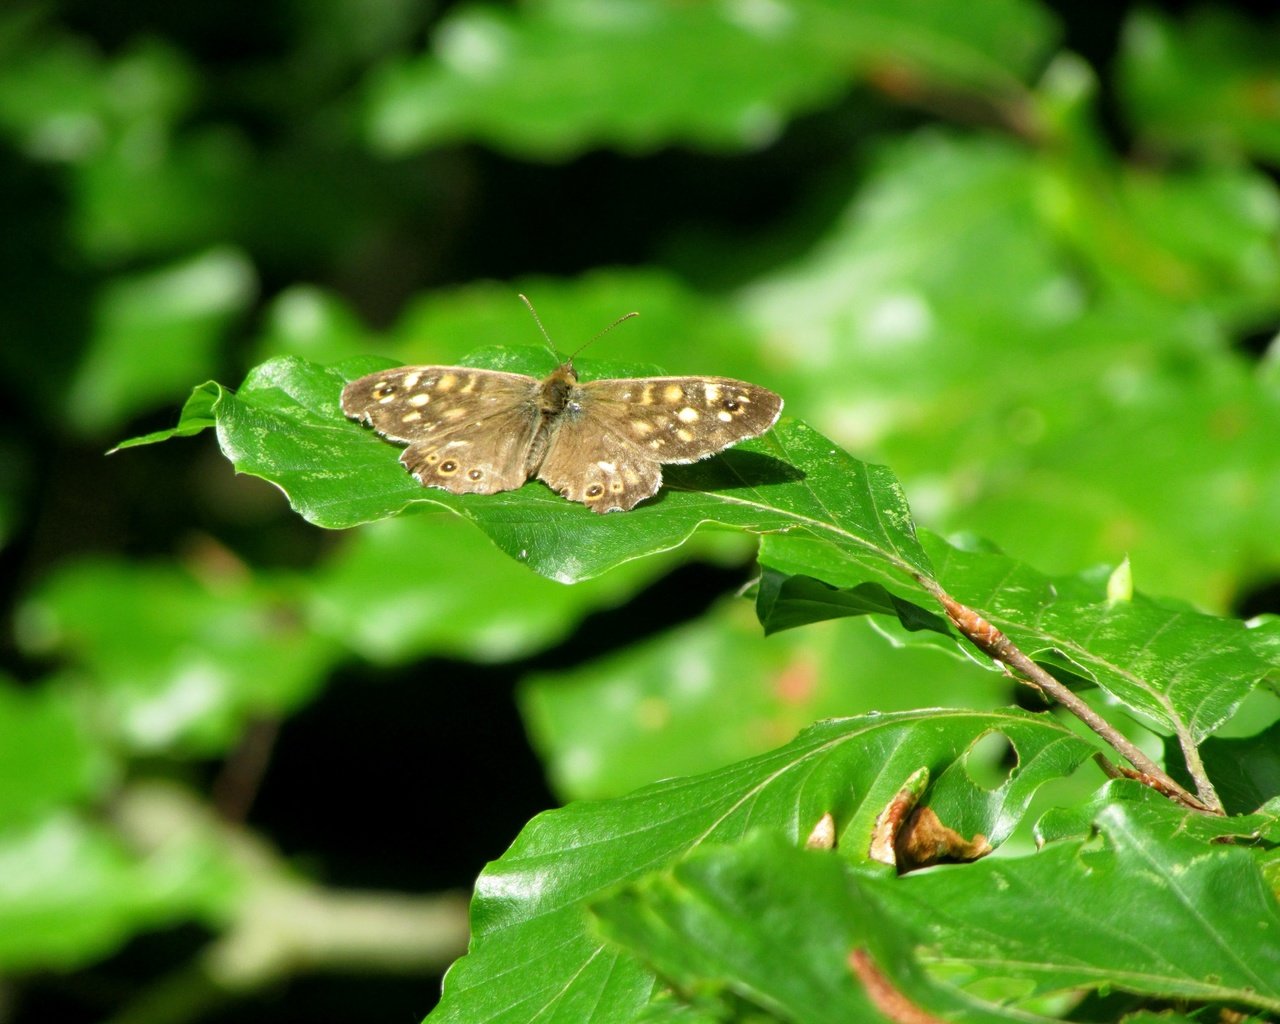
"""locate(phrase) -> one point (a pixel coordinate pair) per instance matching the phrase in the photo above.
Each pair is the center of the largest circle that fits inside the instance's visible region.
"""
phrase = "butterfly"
(599, 442)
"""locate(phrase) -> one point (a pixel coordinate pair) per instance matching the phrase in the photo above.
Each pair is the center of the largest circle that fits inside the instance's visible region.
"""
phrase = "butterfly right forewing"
(468, 431)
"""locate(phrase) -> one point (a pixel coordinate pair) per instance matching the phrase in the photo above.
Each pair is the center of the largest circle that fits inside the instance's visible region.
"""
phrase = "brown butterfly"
(600, 442)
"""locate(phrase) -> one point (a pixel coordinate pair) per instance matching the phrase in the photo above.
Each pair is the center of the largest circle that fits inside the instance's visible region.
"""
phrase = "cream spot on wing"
(455, 414)
(687, 415)
(685, 435)
(657, 442)
(608, 467)
(646, 396)
(673, 392)
(712, 392)
(724, 417)
(446, 382)
(642, 427)
(411, 381)
(420, 399)
(469, 386)
(411, 417)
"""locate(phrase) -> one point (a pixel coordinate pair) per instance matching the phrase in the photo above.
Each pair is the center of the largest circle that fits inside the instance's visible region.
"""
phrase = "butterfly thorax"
(555, 391)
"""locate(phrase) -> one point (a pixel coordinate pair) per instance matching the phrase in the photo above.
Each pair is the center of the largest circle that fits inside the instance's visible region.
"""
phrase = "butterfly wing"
(613, 437)
(468, 431)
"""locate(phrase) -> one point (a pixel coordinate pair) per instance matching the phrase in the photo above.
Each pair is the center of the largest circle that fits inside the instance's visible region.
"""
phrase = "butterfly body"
(600, 442)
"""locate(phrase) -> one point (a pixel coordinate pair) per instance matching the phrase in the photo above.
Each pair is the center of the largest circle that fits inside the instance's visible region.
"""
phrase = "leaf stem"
(1195, 768)
(988, 639)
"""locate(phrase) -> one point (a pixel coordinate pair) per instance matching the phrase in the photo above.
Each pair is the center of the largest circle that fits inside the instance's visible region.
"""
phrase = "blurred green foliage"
(1041, 286)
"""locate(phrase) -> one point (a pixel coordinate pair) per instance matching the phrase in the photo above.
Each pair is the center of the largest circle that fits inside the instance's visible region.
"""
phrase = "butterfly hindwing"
(587, 462)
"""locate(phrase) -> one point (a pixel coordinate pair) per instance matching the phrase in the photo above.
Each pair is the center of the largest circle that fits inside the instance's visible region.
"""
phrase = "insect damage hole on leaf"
(990, 761)
(602, 442)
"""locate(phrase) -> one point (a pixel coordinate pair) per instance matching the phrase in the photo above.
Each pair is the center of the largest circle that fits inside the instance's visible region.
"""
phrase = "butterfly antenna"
(600, 334)
(538, 320)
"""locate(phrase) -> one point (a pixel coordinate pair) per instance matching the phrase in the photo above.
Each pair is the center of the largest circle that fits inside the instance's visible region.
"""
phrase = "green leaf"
(313, 324)
(556, 77)
(776, 926)
(396, 592)
(70, 892)
(1179, 668)
(947, 283)
(197, 415)
(1157, 814)
(715, 691)
(215, 652)
(62, 102)
(784, 602)
(1244, 771)
(532, 955)
(154, 333)
(1184, 671)
(1207, 84)
(47, 757)
(284, 425)
(1175, 914)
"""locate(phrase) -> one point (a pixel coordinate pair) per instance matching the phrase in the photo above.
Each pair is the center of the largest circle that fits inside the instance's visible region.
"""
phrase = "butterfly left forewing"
(411, 403)
(468, 431)
(609, 446)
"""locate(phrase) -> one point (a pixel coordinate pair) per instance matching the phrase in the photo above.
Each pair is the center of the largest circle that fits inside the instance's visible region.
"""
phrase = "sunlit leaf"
(1180, 669)
(1159, 816)
(941, 326)
(777, 926)
(47, 754)
(394, 593)
(215, 652)
(1208, 83)
(533, 956)
(285, 426)
(715, 691)
(1244, 770)
(71, 891)
(1174, 912)
(555, 77)
(155, 332)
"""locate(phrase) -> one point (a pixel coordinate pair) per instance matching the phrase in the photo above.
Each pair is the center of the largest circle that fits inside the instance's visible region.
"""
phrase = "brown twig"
(993, 643)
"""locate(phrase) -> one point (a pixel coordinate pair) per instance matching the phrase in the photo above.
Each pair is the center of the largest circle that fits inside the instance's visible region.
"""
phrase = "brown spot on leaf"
(823, 834)
(924, 840)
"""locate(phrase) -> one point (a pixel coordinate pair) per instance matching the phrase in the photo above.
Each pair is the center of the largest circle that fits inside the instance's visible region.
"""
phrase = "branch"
(999, 647)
